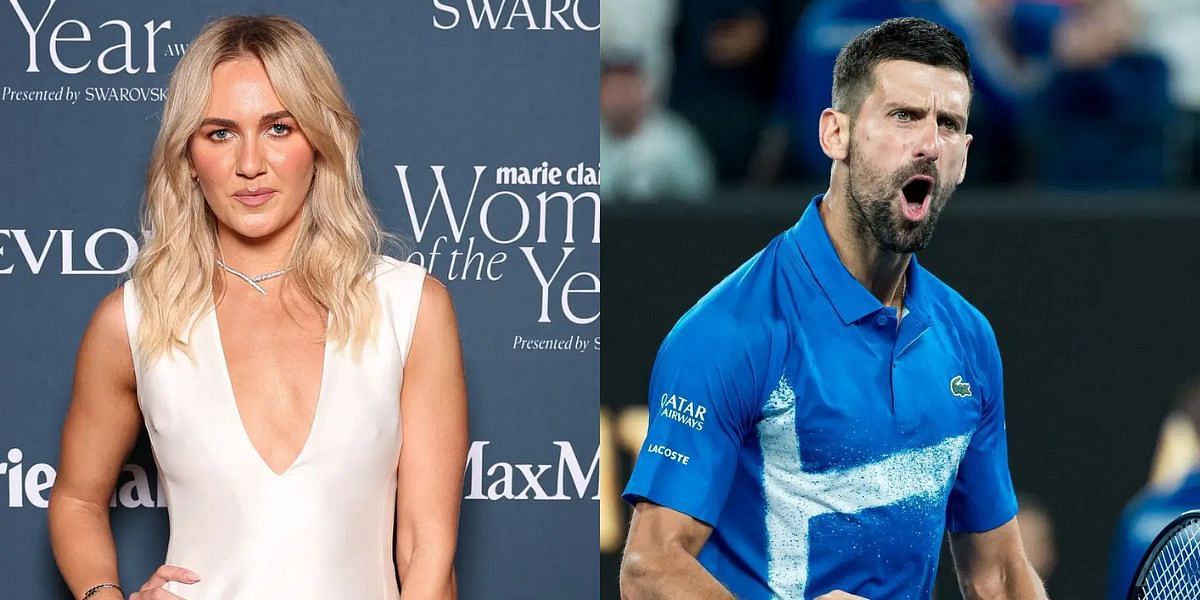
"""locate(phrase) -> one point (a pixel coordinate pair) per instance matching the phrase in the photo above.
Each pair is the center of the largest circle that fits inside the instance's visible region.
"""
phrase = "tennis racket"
(1170, 570)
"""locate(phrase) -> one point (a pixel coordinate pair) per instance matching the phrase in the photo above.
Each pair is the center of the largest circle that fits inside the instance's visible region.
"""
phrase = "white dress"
(323, 528)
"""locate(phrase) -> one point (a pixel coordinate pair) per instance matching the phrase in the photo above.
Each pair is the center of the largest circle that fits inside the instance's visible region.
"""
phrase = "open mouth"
(917, 193)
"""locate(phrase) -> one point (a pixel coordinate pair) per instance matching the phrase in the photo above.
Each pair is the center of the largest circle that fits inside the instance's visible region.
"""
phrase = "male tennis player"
(829, 409)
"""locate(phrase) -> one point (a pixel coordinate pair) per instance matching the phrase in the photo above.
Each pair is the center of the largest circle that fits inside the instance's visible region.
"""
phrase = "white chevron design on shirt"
(793, 497)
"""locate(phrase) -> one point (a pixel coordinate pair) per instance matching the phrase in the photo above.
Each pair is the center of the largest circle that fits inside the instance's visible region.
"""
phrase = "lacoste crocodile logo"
(960, 388)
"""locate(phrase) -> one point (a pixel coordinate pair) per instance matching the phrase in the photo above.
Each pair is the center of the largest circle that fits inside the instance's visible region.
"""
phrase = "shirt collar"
(849, 298)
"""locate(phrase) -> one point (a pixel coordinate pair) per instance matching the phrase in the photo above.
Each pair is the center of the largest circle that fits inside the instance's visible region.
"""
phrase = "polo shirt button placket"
(881, 320)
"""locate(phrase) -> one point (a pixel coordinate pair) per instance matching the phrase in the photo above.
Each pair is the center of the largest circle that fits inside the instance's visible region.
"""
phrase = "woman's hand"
(153, 588)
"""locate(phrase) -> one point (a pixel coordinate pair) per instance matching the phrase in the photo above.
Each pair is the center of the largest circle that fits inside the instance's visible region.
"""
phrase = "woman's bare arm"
(101, 427)
(433, 408)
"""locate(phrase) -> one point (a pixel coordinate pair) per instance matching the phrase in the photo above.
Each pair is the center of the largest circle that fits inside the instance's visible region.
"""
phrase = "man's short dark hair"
(909, 38)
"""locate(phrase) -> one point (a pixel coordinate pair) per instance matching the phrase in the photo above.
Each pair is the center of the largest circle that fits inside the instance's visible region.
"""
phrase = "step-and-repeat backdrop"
(479, 146)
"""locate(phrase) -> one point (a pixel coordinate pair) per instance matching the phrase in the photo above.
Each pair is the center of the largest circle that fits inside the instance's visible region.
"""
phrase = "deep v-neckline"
(231, 398)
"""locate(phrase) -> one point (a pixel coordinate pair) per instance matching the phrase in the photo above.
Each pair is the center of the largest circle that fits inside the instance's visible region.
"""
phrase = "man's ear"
(835, 134)
(963, 173)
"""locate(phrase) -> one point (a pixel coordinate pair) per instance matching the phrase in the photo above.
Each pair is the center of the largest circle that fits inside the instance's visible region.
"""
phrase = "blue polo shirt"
(827, 447)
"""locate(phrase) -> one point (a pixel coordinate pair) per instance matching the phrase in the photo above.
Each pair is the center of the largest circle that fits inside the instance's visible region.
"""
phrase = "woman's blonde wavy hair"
(336, 248)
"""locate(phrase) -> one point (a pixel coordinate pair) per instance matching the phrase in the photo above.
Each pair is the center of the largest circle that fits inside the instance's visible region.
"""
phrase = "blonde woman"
(271, 352)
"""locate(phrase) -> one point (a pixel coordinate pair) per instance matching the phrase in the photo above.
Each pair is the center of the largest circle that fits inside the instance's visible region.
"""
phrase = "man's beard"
(871, 195)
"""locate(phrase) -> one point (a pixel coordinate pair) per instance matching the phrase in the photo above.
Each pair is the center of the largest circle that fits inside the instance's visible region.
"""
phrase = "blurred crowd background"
(701, 95)
(1075, 231)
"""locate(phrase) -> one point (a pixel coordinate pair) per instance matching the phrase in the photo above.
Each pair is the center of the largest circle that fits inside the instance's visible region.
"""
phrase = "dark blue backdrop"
(459, 100)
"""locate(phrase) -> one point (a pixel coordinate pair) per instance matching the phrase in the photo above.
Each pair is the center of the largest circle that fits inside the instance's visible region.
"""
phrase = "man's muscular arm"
(660, 557)
(992, 565)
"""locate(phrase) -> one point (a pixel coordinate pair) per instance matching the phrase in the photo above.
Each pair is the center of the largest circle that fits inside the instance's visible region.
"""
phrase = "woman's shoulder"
(107, 333)
(109, 316)
(389, 266)
(394, 277)
(397, 278)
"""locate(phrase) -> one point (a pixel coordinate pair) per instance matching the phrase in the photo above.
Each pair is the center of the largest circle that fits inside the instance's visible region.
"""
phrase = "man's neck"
(878, 270)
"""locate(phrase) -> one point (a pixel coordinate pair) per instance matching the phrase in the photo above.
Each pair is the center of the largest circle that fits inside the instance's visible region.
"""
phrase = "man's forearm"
(673, 575)
(1023, 583)
(1018, 581)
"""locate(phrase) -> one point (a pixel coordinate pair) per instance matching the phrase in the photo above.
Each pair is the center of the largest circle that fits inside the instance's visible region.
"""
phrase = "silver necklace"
(253, 281)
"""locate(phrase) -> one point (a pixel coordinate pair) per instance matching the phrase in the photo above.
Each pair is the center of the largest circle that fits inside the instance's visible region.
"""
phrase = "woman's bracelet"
(92, 592)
